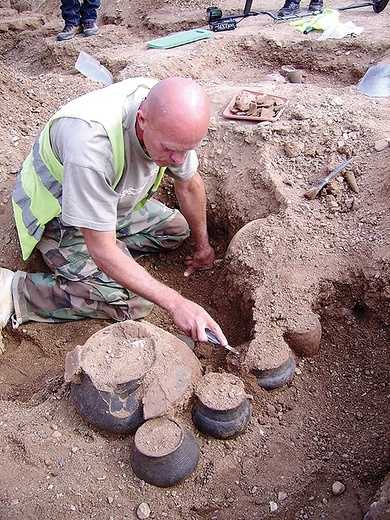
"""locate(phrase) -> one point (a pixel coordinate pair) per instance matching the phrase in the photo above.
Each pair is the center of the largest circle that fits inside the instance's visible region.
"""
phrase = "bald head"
(180, 105)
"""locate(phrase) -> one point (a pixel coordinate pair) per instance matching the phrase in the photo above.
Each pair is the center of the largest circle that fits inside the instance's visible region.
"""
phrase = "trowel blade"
(376, 81)
(213, 339)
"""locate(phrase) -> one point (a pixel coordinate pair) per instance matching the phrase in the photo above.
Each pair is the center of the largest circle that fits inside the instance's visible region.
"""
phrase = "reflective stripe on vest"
(37, 193)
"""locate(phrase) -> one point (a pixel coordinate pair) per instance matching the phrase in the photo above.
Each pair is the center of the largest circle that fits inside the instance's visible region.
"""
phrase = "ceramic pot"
(221, 424)
(276, 377)
(164, 453)
(119, 411)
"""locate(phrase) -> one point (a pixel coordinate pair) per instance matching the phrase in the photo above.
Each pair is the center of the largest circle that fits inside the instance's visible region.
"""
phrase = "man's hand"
(192, 319)
(200, 261)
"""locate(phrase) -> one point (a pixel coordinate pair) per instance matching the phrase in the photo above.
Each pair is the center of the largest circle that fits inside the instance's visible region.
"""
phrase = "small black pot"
(270, 379)
(169, 469)
(118, 412)
(221, 424)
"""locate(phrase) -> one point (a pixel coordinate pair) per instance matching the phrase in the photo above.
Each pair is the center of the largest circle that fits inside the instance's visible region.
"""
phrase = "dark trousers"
(77, 13)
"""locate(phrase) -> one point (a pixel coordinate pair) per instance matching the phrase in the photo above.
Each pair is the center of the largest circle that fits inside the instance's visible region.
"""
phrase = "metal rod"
(248, 7)
(248, 4)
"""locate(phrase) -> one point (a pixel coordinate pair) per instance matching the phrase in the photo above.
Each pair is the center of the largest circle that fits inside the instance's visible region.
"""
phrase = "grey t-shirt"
(88, 197)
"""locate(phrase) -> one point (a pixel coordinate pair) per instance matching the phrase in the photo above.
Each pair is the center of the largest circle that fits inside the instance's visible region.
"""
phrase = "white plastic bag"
(340, 31)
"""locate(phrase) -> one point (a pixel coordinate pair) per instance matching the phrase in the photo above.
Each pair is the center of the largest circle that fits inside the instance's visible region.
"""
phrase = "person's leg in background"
(292, 7)
(70, 12)
(88, 12)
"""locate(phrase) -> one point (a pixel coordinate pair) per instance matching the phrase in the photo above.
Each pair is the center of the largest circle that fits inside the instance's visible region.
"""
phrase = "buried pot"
(305, 336)
(115, 412)
(130, 372)
(222, 409)
(106, 386)
(164, 452)
(276, 377)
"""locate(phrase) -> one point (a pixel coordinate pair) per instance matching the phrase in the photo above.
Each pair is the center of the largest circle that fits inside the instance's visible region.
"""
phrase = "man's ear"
(141, 119)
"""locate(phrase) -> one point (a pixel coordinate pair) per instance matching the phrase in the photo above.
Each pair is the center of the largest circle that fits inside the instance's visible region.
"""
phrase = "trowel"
(213, 339)
(93, 69)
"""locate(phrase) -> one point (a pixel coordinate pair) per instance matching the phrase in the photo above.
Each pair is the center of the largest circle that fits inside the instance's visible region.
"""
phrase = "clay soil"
(295, 257)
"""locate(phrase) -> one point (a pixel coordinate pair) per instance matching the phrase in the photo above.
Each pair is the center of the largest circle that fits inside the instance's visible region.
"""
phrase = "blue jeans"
(76, 13)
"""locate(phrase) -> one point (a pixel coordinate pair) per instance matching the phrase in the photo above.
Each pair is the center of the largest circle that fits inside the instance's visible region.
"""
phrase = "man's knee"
(179, 227)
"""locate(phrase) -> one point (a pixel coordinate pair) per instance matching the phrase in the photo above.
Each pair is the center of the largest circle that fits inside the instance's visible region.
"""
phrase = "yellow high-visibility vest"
(37, 194)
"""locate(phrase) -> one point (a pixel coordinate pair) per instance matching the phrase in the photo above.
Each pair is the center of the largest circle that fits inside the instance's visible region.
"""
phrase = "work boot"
(289, 8)
(68, 32)
(6, 301)
(316, 5)
(90, 29)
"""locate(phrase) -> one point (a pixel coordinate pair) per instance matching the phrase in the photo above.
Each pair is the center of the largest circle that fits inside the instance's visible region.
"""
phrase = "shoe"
(289, 8)
(6, 301)
(68, 32)
(90, 29)
(316, 5)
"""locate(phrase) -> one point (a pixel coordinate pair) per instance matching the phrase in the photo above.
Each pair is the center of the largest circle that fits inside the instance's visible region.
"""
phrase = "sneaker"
(68, 32)
(289, 8)
(90, 29)
(6, 301)
(316, 5)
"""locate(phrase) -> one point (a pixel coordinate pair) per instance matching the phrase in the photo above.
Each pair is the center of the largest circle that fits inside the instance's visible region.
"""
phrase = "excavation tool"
(217, 22)
(314, 191)
(213, 339)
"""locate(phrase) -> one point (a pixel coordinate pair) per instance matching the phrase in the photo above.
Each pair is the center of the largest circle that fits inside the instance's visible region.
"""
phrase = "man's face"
(167, 145)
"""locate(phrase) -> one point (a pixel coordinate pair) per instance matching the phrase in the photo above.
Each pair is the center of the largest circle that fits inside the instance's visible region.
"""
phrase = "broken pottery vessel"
(129, 372)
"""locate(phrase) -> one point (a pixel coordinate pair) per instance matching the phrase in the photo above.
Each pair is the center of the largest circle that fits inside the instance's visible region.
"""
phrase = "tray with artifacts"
(255, 106)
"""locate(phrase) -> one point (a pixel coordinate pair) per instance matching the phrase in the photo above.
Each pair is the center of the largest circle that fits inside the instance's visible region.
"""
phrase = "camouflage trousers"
(76, 288)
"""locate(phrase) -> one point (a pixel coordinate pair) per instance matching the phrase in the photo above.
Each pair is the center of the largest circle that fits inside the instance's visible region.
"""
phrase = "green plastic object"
(181, 38)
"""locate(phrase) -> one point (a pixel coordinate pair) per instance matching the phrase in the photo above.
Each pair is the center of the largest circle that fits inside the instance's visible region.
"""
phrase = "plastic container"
(376, 81)
(164, 453)
(93, 69)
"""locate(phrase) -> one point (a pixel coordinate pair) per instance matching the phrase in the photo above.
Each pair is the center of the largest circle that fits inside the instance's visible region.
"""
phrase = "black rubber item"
(221, 424)
(171, 469)
(378, 6)
(118, 412)
(279, 376)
